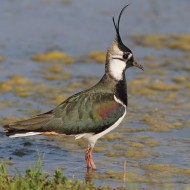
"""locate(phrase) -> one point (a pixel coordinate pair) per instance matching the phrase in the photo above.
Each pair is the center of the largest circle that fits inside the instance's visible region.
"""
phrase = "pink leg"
(89, 161)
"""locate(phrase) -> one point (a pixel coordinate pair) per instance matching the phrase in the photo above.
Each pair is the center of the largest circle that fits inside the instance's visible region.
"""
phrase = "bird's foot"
(89, 161)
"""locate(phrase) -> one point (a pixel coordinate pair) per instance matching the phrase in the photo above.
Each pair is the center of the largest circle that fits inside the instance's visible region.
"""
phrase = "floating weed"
(99, 149)
(52, 56)
(155, 40)
(178, 124)
(17, 79)
(55, 72)
(157, 124)
(137, 145)
(113, 136)
(130, 177)
(93, 57)
(22, 92)
(151, 142)
(114, 174)
(5, 87)
(55, 76)
(170, 97)
(158, 41)
(119, 146)
(172, 169)
(55, 69)
(16, 83)
(161, 86)
(179, 79)
(113, 154)
(181, 42)
(97, 56)
(135, 153)
(139, 86)
(2, 58)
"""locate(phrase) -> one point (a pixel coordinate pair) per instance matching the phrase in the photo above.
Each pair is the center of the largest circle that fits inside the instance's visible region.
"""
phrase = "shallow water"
(153, 139)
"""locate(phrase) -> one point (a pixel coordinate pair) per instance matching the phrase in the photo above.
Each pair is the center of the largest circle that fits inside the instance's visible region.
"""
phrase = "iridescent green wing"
(86, 113)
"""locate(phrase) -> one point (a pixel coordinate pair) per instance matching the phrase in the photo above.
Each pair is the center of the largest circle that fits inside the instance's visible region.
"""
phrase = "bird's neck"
(118, 87)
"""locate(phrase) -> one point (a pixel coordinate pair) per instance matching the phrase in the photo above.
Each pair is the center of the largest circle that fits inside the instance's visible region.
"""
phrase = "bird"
(92, 113)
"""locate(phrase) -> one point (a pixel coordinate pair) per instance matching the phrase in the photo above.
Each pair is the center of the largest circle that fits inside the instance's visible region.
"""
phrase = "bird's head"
(119, 57)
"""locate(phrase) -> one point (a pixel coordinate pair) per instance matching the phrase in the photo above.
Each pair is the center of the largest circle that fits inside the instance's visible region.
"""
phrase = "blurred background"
(51, 49)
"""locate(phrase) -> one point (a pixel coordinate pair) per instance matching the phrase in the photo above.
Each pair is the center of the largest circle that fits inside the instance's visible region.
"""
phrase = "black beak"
(135, 64)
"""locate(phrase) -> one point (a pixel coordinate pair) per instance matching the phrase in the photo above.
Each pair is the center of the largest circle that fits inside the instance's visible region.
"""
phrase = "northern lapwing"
(92, 113)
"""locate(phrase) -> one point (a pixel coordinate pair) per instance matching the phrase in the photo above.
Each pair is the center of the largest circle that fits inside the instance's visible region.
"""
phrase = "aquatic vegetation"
(113, 154)
(11, 83)
(162, 86)
(158, 41)
(2, 58)
(167, 167)
(151, 142)
(158, 124)
(137, 145)
(55, 76)
(99, 149)
(54, 72)
(52, 56)
(22, 92)
(111, 136)
(179, 79)
(36, 178)
(5, 87)
(97, 56)
(152, 40)
(135, 153)
(181, 42)
(94, 56)
(17, 79)
(55, 68)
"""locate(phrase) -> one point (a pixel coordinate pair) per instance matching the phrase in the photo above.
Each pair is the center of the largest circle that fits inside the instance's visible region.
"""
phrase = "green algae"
(113, 136)
(55, 72)
(137, 145)
(170, 168)
(12, 83)
(151, 142)
(97, 56)
(52, 56)
(162, 86)
(179, 79)
(2, 58)
(94, 56)
(159, 41)
(99, 149)
(113, 154)
(135, 153)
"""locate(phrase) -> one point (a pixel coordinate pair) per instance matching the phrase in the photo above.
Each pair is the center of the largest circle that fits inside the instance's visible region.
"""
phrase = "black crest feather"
(117, 25)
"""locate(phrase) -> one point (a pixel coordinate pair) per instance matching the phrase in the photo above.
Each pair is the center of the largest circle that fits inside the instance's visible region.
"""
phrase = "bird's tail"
(28, 127)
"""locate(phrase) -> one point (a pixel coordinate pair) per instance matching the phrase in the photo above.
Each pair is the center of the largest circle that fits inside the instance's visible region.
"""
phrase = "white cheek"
(116, 68)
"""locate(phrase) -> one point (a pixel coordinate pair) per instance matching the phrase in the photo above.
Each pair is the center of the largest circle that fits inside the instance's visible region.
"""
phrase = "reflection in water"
(89, 175)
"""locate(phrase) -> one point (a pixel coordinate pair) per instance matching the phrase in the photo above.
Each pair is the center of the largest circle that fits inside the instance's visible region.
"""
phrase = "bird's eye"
(125, 56)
